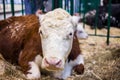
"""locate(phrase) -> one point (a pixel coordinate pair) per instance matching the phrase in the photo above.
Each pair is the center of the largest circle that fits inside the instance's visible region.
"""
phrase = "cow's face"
(80, 32)
(56, 31)
(56, 43)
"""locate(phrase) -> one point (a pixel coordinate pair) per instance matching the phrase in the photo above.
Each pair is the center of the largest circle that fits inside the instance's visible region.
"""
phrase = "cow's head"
(57, 32)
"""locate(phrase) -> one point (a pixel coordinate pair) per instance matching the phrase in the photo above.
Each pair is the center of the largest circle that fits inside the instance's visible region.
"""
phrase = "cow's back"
(14, 34)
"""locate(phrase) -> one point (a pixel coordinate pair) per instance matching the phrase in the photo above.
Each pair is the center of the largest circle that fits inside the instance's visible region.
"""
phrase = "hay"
(10, 72)
(102, 62)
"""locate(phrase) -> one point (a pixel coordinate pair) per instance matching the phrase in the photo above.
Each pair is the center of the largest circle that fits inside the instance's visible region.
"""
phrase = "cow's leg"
(31, 56)
(34, 71)
(79, 64)
(76, 64)
(67, 70)
(30, 66)
(65, 73)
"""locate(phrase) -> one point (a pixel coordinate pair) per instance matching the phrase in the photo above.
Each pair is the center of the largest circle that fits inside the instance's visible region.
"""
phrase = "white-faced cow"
(49, 43)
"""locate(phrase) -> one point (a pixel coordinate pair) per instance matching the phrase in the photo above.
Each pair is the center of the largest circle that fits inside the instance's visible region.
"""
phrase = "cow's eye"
(80, 31)
(40, 32)
(70, 34)
(44, 36)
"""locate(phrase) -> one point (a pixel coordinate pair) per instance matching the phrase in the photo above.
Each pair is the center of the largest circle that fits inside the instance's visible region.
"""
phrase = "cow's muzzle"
(52, 64)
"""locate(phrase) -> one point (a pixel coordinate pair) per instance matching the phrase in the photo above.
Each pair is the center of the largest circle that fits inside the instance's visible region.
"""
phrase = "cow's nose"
(53, 61)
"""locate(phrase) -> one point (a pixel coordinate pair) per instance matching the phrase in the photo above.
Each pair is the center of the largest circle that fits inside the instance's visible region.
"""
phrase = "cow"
(106, 2)
(46, 42)
(102, 20)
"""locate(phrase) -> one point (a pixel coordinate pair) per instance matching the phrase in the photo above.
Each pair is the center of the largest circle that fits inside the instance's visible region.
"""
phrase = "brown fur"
(75, 49)
(79, 69)
(26, 40)
(75, 52)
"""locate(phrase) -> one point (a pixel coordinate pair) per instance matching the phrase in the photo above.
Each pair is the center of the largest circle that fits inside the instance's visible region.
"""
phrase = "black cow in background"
(90, 17)
(106, 2)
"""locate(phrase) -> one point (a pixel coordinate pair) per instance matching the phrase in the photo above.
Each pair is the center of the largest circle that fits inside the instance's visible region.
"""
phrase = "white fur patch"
(78, 60)
(34, 72)
(68, 68)
(38, 60)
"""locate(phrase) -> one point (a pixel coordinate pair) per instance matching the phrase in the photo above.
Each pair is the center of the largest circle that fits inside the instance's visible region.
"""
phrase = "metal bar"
(96, 18)
(100, 35)
(84, 11)
(84, 19)
(71, 6)
(22, 7)
(12, 7)
(80, 6)
(65, 4)
(43, 7)
(53, 4)
(60, 3)
(108, 29)
(4, 12)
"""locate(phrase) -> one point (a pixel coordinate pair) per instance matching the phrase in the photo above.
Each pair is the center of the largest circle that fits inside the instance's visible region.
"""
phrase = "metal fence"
(69, 5)
(10, 7)
(85, 6)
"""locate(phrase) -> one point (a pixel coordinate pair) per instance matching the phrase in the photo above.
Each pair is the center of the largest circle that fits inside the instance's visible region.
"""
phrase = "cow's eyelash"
(80, 31)
(40, 32)
(70, 34)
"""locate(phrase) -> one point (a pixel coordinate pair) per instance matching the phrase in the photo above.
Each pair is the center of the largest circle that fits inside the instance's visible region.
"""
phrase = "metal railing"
(83, 9)
(70, 8)
(11, 9)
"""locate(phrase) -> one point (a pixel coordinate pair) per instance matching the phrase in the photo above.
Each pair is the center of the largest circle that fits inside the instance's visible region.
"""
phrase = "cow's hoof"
(34, 72)
(79, 69)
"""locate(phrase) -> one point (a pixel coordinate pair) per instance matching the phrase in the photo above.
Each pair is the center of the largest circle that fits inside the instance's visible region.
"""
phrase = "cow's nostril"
(59, 62)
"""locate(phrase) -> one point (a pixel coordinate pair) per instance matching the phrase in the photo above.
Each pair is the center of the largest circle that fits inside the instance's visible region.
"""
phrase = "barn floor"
(102, 62)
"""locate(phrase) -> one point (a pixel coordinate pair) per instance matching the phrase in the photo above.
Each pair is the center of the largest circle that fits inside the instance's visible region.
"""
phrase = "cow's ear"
(39, 14)
(75, 20)
(80, 32)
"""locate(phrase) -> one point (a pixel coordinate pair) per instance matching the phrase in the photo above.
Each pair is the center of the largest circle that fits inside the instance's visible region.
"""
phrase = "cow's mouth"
(53, 68)
(52, 64)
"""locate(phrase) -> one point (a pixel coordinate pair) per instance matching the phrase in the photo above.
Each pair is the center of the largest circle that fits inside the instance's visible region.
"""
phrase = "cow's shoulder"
(75, 51)
(15, 33)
